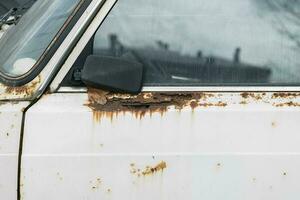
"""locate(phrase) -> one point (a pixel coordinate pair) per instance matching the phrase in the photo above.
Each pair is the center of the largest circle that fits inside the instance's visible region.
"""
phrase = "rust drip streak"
(110, 105)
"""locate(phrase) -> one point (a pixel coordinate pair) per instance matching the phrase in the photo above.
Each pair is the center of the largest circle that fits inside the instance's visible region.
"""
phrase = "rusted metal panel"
(11, 114)
(246, 148)
(23, 92)
(109, 104)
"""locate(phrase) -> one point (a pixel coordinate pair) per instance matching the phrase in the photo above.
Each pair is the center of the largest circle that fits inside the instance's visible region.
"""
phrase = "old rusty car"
(150, 99)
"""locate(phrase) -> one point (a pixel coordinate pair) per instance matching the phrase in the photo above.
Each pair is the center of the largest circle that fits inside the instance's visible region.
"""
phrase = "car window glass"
(23, 44)
(206, 42)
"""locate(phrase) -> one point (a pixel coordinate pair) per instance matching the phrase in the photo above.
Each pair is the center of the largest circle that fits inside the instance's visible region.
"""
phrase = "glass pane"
(206, 42)
(23, 44)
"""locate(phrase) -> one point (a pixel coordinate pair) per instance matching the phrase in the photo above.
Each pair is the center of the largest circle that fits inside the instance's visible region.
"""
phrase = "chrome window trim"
(87, 35)
(77, 33)
(194, 89)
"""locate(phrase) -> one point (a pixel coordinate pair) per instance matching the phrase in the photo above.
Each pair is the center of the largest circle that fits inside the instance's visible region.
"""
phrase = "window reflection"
(199, 42)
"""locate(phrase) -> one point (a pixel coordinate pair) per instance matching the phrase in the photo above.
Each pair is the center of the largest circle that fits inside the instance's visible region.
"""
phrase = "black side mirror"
(113, 74)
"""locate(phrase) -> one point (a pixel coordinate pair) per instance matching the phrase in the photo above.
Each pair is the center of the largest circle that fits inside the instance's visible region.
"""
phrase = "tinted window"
(206, 42)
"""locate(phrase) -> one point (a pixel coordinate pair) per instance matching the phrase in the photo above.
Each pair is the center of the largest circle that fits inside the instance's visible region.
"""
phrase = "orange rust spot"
(151, 170)
(285, 95)
(288, 104)
(26, 90)
(256, 96)
(110, 105)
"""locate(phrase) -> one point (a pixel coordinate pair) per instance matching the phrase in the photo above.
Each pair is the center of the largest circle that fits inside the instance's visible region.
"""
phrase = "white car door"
(213, 121)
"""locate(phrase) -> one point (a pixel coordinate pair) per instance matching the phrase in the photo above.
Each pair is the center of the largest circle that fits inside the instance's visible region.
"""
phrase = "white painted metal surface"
(10, 127)
(248, 149)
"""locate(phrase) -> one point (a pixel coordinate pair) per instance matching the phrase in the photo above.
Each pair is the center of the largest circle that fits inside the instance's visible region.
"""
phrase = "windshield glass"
(206, 42)
(23, 44)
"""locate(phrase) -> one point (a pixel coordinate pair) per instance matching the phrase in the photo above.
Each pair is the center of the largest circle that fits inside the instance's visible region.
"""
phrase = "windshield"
(23, 44)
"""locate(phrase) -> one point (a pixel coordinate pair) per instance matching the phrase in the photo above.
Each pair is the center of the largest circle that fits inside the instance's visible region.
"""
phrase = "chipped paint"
(106, 104)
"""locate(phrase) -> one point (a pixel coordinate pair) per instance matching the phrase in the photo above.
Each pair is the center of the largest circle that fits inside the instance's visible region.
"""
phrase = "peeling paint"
(106, 104)
(110, 105)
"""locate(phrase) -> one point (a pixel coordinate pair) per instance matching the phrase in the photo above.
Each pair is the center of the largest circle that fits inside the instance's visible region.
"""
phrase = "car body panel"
(11, 114)
(229, 145)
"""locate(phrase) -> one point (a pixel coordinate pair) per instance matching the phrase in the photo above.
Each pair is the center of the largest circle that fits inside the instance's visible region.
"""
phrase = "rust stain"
(148, 169)
(287, 104)
(151, 170)
(285, 95)
(26, 90)
(256, 96)
(96, 184)
(243, 102)
(110, 105)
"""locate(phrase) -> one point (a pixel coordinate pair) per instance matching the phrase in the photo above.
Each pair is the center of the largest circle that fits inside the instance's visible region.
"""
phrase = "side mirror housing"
(113, 74)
